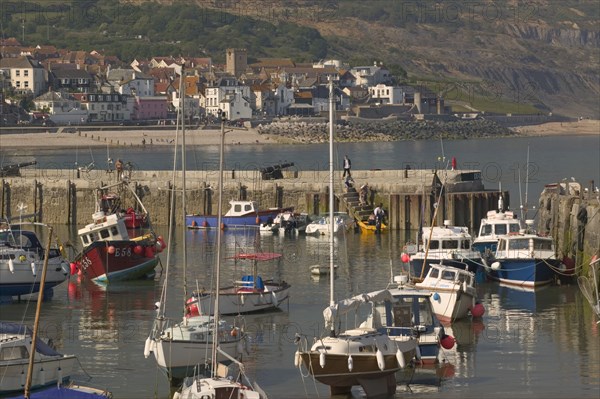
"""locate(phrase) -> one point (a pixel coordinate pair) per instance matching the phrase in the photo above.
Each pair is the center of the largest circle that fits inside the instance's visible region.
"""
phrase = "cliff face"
(541, 52)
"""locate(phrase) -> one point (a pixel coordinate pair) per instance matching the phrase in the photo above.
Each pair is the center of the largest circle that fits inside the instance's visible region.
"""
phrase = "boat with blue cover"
(241, 214)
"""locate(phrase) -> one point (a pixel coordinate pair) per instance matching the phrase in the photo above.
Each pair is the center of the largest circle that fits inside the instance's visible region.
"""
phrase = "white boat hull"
(13, 373)
(233, 303)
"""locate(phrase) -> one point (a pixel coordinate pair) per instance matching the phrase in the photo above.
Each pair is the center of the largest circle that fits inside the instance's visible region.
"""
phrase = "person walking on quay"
(347, 166)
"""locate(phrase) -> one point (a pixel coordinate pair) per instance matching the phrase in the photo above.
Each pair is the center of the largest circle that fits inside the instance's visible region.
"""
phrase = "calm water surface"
(502, 160)
(536, 344)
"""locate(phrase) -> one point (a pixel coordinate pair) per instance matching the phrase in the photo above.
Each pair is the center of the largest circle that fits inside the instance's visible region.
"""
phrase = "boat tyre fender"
(205, 397)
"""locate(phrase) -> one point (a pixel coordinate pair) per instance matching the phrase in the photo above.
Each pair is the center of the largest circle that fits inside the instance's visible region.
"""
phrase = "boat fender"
(64, 268)
(176, 395)
(59, 377)
(380, 360)
(275, 299)
(322, 359)
(33, 268)
(436, 297)
(257, 220)
(496, 266)
(22, 258)
(22, 378)
(242, 300)
(297, 359)
(400, 359)
(350, 363)
(205, 397)
(147, 347)
(11, 266)
(464, 286)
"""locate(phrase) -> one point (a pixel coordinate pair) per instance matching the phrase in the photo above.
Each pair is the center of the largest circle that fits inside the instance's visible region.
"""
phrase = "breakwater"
(58, 196)
(570, 213)
(384, 130)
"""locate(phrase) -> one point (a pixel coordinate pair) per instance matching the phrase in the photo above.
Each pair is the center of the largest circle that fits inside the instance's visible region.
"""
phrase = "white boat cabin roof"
(104, 228)
(438, 274)
(499, 223)
(525, 246)
(242, 208)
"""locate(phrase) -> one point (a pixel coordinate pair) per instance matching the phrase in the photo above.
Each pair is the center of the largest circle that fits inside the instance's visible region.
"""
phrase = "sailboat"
(360, 356)
(179, 346)
(218, 385)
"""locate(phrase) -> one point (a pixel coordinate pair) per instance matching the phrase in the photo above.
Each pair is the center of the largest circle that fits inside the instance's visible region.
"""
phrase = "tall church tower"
(237, 61)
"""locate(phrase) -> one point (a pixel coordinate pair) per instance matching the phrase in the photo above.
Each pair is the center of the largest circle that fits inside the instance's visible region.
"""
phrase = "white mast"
(218, 265)
(331, 200)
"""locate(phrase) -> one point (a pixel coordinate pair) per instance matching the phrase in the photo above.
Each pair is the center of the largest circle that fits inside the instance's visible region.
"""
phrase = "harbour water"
(542, 343)
(502, 160)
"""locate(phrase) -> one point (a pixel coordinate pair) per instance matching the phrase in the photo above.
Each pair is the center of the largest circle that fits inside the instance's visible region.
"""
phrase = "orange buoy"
(205, 224)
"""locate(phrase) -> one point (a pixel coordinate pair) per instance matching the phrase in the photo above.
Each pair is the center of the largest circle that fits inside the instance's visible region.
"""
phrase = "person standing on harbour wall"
(347, 166)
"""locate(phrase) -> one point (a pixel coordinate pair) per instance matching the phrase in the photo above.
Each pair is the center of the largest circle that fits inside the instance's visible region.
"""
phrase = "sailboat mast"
(218, 265)
(331, 197)
(38, 311)
(183, 187)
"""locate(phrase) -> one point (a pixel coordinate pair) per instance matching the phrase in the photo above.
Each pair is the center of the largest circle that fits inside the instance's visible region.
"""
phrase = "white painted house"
(63, 108)
(131, 82)
(229, 96)
(26, 74)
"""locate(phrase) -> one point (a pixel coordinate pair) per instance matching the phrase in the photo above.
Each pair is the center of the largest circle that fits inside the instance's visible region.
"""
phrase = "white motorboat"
(49, 366)
(21, 260)
(450, 245)
(342, 222)
(497, 224)
(453, 292)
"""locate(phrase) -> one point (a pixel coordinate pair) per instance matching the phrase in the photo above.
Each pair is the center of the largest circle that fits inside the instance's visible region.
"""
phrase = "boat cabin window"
(514, 228)
(425, 316)
(367, 348)
(14, 353)
(104, 233)
(403, 313)
(542, 245)
(465, 244)
(464, 277)
(434, 273)
(500, 229)
(85, 240)
(486, 230)
(247, 208)
(114, 231)
(450, 244)
(237, 208)
(433, 245)
(519, 244)
(448, 275)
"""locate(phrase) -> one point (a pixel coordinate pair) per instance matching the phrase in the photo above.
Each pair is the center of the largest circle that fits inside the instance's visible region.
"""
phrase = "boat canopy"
(351, 304)
(21, 329)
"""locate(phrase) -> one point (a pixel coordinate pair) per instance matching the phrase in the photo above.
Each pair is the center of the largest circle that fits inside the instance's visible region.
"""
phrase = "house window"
(26, 84)
(17, 73)
(25, 73)
(18, 83)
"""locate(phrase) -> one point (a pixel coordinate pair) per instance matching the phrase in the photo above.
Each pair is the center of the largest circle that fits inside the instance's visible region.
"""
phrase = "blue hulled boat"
(526, 260)
(241, 214)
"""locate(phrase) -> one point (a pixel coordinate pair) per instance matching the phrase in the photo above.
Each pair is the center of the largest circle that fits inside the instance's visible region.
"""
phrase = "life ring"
(205, 397)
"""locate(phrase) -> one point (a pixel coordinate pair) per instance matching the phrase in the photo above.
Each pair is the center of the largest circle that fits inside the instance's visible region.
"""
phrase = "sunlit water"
(535, 344)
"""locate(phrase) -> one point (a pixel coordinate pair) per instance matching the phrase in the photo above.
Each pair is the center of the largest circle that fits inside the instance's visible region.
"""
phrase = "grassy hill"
(513, 56)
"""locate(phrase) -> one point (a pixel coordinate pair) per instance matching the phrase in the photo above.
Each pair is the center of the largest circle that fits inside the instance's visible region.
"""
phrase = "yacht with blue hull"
(525, 260)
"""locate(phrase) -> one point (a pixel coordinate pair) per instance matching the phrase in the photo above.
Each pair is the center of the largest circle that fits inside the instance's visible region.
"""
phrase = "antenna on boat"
(500, 199)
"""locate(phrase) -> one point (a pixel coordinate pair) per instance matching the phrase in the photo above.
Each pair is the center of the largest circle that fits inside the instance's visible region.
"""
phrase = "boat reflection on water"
(459, 361)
